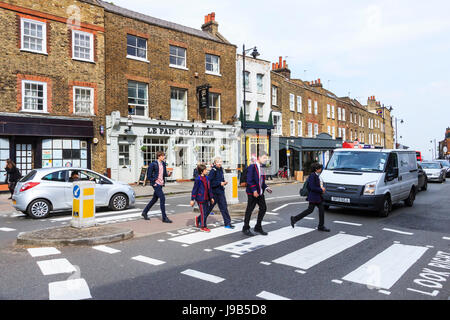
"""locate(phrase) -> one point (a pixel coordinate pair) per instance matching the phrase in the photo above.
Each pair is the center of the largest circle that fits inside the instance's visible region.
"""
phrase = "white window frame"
(292, 128)
(329, 130)
(274, 95)
(316, 107)
(299, 104)
(248, 87)
(343, 134)
(44, 35)
(333, 130)
(316, 129)
(218, 65)
(351, 117)
(291, 102)
(339, 113)
(300, 128)
(91, 45)
(146, 50)
(91, 111)
(310, 130)
(44, 103)
(343, 114)
(309, 106)
(218, 109)
(139, 105)
(258, 82)
(185, 103)
(260, 108)
(185, 59)
(279, 124)
(328, 111)
(332, 112)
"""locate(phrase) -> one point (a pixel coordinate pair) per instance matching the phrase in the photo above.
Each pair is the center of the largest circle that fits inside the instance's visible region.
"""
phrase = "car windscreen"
(29, 176)
(358, 161)
(445, 163)
(431, 165)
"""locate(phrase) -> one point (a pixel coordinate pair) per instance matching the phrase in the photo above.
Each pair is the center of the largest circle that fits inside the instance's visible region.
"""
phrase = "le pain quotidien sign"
(180, 131)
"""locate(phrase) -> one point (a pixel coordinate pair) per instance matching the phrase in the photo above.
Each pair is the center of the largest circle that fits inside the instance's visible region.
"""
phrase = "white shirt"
(259, 173)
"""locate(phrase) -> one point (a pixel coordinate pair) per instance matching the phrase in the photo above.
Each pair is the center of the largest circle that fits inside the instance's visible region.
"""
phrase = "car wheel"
(39, 209)
(412, 196)
(387, 207)
(118, 202)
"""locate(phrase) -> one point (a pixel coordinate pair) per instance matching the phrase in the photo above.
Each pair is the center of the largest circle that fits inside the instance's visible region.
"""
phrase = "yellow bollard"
(83, 204)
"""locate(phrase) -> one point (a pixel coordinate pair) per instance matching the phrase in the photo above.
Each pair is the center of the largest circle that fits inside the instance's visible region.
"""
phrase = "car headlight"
(369, 188)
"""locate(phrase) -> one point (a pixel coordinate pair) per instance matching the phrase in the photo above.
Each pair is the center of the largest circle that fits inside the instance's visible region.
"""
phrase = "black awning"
(45, 127)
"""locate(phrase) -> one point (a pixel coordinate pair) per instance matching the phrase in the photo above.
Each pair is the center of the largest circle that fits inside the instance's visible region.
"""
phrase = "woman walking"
(315, 191)
(12, 176)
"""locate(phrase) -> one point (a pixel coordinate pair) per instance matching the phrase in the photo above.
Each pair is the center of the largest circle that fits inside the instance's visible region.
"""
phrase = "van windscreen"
(358, 161)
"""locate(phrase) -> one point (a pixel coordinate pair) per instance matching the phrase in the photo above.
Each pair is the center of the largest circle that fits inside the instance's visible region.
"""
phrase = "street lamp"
(396, 131)
(254, 54)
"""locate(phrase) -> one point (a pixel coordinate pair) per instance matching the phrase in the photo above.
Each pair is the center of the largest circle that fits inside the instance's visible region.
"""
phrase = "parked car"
(435, 171)
(370, 179)
(43, 191)
(446, 165)
(423, 180)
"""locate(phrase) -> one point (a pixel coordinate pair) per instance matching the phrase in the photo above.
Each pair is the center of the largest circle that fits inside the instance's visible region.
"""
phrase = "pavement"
(404, 256)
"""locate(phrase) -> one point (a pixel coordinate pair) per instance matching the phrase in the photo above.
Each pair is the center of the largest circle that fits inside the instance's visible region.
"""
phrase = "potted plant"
(144, 148)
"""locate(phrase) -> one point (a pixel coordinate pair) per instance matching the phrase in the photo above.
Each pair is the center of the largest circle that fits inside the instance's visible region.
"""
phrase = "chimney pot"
(206, 19)
(280, 61)
(213, 16)
(284, 64)
(319, 80)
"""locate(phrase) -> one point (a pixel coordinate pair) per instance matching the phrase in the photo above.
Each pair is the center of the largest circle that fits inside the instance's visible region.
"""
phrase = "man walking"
(156, 174)
(218, 183)
(256, 185)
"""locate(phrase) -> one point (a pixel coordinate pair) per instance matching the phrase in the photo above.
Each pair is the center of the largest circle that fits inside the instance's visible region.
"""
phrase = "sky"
(397, 50)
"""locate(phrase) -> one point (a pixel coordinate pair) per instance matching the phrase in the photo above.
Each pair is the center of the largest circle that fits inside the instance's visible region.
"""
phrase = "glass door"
(24, 157)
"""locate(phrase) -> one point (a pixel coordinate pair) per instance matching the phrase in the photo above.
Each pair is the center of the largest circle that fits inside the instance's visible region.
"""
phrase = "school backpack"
(304, 189)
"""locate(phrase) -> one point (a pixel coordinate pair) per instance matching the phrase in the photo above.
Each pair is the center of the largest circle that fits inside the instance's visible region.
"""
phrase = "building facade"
(52, 75)
(153, 71)
(444, 146)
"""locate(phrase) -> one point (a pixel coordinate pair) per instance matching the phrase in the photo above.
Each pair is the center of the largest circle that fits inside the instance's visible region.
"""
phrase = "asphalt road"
(404, 256)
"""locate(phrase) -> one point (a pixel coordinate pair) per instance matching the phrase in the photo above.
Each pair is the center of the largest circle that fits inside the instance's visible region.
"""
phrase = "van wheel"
(118, 202)
(425, 186)
(412, 196)
(387, 207)
(39, 209)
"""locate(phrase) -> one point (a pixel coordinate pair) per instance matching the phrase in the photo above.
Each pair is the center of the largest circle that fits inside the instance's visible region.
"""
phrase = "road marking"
(7, 229)
(446, 238)
(386, 268)
(119, 217)
(183, 205)
(384, 292)
(349, 223)
(215, 233)
(270, 296)
(106, 249)
(56, 266)
(185, 245)
(265, 263)
(161, 240)
(272, 213)
(309, 218)
(102, 214)
(235, 256)
(300, 271)
(208, 250)
(430, 246)
(148, 260)
(433, 294)
(398, 231)
(315, 253)
(279, 208)
(251, 244)
(337, 281)
(75, 289)
(45, 251)
(202, 276)
(272, 198)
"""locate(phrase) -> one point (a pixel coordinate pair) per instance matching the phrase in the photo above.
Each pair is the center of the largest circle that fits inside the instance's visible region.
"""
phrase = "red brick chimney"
(210, 24)
(281, 67)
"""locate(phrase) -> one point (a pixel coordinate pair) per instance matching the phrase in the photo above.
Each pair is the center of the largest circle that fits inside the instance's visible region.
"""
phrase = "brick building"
(52, 84)
(153, 70)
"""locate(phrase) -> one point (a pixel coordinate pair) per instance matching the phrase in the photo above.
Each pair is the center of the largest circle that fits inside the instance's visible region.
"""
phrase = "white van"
(370, 179)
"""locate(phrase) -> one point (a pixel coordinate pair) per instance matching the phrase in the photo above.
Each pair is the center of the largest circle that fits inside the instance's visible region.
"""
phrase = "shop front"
(132, 147)
(43, 142)
(305, 151)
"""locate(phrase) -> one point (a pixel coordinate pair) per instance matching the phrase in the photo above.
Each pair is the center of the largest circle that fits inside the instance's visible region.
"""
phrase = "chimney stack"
(210, 25)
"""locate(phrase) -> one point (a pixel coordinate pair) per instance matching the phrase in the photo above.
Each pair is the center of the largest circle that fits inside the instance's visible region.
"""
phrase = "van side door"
(392, 183)
(404, 175)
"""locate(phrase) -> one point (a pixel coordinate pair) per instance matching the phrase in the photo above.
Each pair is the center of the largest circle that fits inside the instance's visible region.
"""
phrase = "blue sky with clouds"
(397, 50)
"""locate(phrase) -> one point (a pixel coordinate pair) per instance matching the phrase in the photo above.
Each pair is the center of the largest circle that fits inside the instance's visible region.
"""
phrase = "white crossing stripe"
(148, 260)
(315, 253)
(251, 244)
(119, 217)
(265, 263)
(235, 256)
(202, 276)
(349, 223)
(215, 233)
(75, 289)
(384, 292)
(293, 196)
(279, 208)
(101, 214)
(446, 238)
(398, 231)
(272, 213)
(183, 205)
(106, 249)
(270, 296)
(386, 268)
(40, 252)
(300, 271)
(337, 281)
(56, 266)
(7, 229)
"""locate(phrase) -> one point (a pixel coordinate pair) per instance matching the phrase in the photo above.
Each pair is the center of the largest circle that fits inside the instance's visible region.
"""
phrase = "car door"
(55, 184)
(101, 190)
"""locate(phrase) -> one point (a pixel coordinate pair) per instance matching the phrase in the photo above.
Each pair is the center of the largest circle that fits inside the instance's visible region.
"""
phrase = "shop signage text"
(181, 132)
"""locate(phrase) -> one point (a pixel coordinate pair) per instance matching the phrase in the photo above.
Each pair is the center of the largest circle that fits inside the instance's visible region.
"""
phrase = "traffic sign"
(76, 192)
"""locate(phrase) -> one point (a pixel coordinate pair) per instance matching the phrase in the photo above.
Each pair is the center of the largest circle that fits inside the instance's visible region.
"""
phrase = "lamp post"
(396, 132)
(255, 54)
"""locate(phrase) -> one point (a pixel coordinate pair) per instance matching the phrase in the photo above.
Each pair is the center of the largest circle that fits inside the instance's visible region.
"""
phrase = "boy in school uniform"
(202, 193)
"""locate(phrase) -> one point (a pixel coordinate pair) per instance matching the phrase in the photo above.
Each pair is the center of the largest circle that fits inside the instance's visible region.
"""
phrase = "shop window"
(57, 153)
(137, 98)
(4, 155)
(206, 150)
(124, 155)
(24, 158)
(152, 146)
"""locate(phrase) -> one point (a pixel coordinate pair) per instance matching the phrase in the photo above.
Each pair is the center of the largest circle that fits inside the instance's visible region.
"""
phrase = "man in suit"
(256, 185)
(156, 174)
(315, 199)
(218, 183)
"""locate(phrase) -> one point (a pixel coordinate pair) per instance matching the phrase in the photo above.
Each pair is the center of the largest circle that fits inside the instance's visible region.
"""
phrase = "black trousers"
(309, 210)
(157, 194)
(251, 204)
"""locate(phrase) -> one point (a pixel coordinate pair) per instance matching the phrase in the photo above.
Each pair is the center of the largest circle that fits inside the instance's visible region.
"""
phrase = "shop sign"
(180, 132)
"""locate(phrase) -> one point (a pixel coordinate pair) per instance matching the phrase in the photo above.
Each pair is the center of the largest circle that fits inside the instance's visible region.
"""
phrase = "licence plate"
(338, 199)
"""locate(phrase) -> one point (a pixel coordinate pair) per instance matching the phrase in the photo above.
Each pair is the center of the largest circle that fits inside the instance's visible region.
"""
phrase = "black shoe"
(167, 220)
(145, 217)
(292, 222)
(324, 229)
(260, 231)
(9, 198)
(248, 233)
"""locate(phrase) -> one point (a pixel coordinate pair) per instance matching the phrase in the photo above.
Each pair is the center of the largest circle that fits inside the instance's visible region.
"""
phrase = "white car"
(47, 190)
(435, 171)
